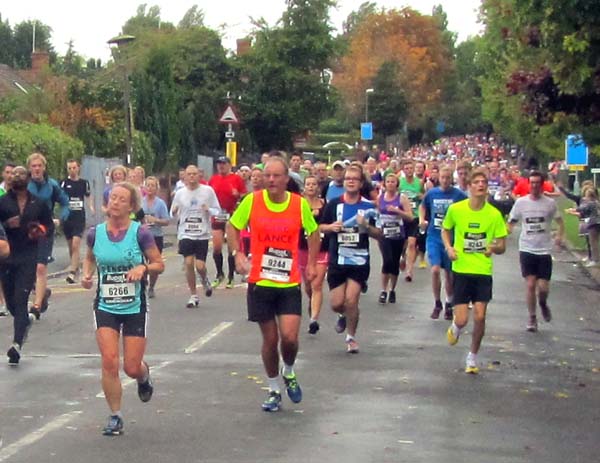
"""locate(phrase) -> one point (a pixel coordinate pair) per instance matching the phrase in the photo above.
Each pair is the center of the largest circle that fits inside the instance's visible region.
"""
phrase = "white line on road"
(188, 350)
(36, 435)
(207, 337)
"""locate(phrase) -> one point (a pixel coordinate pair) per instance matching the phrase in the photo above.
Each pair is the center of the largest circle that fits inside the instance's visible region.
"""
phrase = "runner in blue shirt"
(431, 215)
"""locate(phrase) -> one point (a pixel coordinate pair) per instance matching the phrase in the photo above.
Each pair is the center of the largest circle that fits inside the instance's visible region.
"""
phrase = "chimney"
(243, 46)
(40, 60)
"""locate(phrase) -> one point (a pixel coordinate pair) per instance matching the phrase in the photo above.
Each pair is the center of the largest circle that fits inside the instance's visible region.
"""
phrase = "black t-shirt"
(35, 210)
(77, 191)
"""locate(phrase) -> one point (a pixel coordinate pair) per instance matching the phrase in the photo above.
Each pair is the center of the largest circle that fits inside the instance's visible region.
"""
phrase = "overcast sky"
(91, 23)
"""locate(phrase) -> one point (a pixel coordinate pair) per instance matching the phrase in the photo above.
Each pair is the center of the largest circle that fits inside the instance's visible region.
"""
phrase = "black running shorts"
(196, 248)
(472, 288)
(265, 303)
(539, 266)
(130, 324)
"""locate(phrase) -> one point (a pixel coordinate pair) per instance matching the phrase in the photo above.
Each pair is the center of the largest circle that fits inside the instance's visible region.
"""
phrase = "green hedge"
(19, 139)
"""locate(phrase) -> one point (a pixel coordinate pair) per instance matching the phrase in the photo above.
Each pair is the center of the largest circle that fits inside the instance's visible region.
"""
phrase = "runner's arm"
(4, 246)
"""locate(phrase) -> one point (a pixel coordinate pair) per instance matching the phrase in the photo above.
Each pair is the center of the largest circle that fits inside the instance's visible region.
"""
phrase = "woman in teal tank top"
(123, 252)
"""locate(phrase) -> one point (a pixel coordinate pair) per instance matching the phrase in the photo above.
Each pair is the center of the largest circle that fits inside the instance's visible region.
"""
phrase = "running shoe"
(546, 313)
(146, 388)
(340, 325)
(45, 300)
(34, 313)
(71, 278)
(437, 309)
(352, 346)
(192, 302)
(3, 312)
(151, 294)
(114, 426)
(392, 297)
(408, 278)
(471, 365)
(364, 287)
(452, 339)
(292, 388)
(14, 355)
(273, 402)
(217, 281)
(532, 325)
(208, 289)
(229, 284)
(448, 312)
(422, 264)
(382, 297)
(313, 327)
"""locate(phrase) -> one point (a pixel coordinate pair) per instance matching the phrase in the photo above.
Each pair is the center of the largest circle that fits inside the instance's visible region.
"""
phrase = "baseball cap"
(223, 159)
(338, 163)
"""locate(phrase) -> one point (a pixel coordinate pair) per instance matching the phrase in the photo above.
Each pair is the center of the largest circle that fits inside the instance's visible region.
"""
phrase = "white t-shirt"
(194, 220)
(536, 216)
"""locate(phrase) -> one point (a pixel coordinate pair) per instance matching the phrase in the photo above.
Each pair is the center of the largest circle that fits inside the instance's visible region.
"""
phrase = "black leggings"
(17, 280)
(391, 250)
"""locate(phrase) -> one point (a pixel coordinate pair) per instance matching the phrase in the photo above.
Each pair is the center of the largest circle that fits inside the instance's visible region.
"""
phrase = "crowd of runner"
(288, 223)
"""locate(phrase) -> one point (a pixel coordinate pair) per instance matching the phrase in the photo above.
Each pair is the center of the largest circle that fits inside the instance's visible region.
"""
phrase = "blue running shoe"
(340, 325)
(292, 388)
(273, 402)
(114, 426)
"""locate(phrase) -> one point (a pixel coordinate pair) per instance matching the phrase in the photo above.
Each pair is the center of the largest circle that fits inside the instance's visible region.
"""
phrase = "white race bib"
(276, 265)
(115, 289)
(474, 243)
(75, 204)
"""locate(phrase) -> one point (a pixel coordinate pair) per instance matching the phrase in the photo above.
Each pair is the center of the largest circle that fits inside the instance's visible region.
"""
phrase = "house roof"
(11, 82)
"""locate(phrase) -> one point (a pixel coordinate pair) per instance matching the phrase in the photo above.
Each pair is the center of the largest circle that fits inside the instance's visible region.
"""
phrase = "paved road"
(403, 398)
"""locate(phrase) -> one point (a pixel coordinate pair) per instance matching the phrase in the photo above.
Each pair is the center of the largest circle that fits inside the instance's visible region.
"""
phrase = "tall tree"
(283, 89)
(388, 104)
(542, 67)
(412, 40)
(7, 50)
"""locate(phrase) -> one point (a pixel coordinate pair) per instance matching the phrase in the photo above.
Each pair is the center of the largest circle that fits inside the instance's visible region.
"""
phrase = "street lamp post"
(367, 91)
(118, 44)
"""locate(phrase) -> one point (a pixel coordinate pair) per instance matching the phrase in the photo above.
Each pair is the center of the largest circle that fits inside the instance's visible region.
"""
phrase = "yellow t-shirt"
(473, 232)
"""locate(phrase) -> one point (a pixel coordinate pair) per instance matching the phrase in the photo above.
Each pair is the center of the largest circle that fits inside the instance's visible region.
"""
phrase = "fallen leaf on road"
(406, 442)
(561, 395)
(233, 373)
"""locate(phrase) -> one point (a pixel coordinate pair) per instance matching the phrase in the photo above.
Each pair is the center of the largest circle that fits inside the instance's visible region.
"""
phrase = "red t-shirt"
(522, 187)
(224, 186)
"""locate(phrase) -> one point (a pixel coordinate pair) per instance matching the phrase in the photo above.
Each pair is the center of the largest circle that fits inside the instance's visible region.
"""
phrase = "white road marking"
(188, 350)
(36, 435)
(207, 337)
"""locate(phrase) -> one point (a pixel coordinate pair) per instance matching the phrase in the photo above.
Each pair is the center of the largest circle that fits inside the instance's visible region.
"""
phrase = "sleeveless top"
(114, 259)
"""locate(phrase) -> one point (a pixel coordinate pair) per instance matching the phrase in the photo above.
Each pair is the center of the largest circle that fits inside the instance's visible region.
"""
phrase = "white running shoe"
(192, 302)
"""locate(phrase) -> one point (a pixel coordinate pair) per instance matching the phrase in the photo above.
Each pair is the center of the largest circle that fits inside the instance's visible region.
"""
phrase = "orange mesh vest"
(274, 242)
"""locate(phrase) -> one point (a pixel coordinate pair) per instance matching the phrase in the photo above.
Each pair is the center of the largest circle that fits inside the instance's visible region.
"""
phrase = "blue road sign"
(576, 151)
(440, 127)
(366, 131)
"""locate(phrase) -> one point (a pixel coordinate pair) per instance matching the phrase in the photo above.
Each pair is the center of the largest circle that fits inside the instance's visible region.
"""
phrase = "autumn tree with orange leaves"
(415, 43)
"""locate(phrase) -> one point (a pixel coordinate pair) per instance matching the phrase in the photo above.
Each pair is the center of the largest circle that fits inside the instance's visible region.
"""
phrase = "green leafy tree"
(7, 50)
(23, 41)
(541, 74)
(283, 89)
(388, 104)
(193, 17)
(157, 105)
